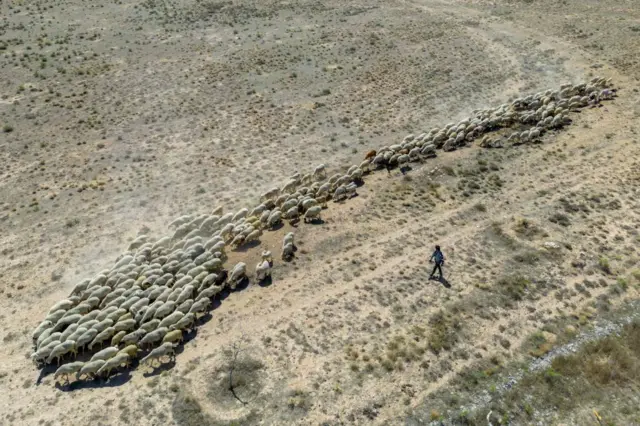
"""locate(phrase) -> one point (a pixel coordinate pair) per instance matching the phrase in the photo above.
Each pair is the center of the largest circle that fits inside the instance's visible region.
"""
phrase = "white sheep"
(61, 350)
(274, 219)
(238, 273)
(240, 215)
(68, 369)
(320, 172)
(312, 214)
(263, 270)
(165, 309)
(105, 354)
(290, 185)
(171, 319)
(200, 306)
(86, 337)
(166, 349)
(65, 304)
(287, 251)
(185, 306)
(185, 323)
(154, 336)
(150, 326)
(125, 325)
(90, 368)
(340, 193)
(289, 239)
(68, 332)
(133, 337)
(41, 328)
(116, 361)
(105, 334)
(66, 321)
(272, 193)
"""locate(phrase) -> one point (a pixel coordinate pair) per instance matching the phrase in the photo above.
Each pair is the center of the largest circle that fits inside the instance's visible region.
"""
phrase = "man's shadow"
(441, 280)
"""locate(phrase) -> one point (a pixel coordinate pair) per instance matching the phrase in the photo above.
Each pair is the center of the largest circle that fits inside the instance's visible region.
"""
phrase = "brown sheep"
(371, 154)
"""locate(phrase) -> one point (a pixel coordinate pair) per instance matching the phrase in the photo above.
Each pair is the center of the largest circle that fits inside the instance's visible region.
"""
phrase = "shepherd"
(438, 259)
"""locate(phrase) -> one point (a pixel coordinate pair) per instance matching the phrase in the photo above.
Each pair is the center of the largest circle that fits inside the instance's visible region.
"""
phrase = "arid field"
(118, 117)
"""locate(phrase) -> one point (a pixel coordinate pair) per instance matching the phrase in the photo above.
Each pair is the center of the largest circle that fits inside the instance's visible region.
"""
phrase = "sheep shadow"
(266, 282)
(242, 285)
(44, 372)
(315, 221)
(248, 246)
(164, 366)
(123, 376)
(277, 227)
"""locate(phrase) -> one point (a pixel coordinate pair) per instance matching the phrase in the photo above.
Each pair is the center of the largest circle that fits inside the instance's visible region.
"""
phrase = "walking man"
(438, 259)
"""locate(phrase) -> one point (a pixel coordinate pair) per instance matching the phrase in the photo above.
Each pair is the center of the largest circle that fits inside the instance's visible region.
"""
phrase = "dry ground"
(118, 117)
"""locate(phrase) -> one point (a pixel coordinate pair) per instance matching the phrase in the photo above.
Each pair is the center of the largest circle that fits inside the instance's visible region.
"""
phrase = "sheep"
(240, 214)
(67, 369)
(125, 325)
(150, 326)
(153, 336)
(151, 310)
(173, 336)
(320, 172)
(371, 154)
(129, 302)
(43, 353)
(339, 194)
(104, 354)
(46, 339)
(200, 306)
(263, 270)
(272, 193)
(131, 350)
(102, 325)
(290, 185)
(237, 274)
(136, 307)
(312, 214)
(237, 241)
(186, 293)
(68, 332)
(90, 368)
(165, 309)
(79, 288)
(65, 321)
(287, 251)
(102, 336)
(86, 337)
(185, 323)
(166, 349)
(41, 328)
(210, 292)
(133, 337)
(274, 219)
(289, 239)
(365, 166)
(171, 319)
(56, 316)
(112, 363)
(116, 302)
(115, 340)
(308, 203)
(61, 350)
(77, 333)
(65, 304)
(253, 236)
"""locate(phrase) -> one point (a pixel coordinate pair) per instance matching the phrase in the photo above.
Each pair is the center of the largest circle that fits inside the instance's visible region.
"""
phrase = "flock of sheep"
(155, 292)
